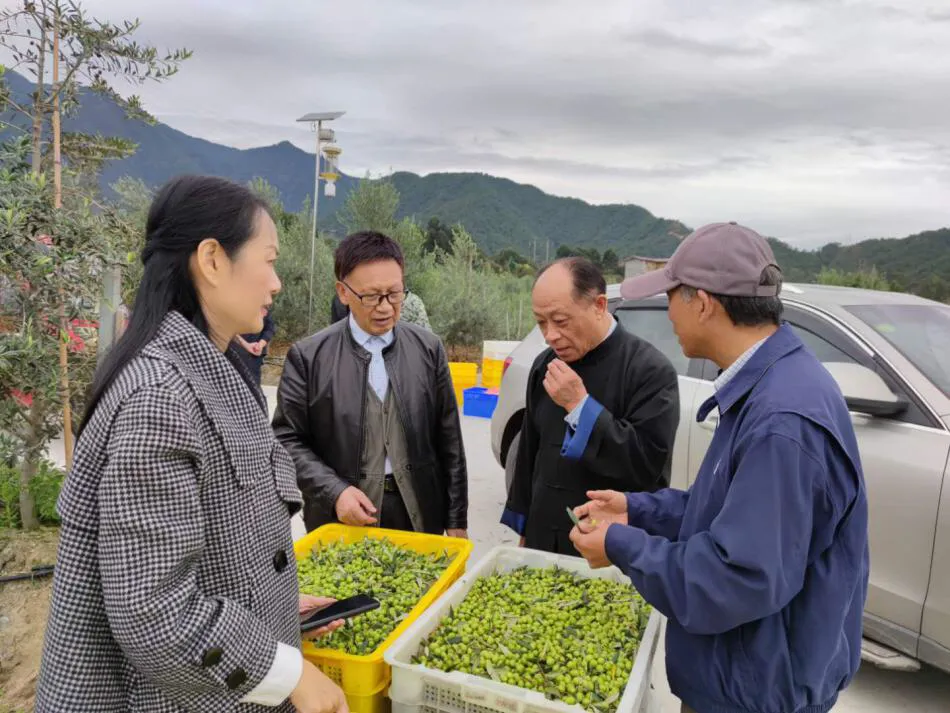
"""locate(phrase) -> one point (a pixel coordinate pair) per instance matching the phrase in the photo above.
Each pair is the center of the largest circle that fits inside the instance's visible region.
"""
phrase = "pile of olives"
(397, 577)
(548, 630)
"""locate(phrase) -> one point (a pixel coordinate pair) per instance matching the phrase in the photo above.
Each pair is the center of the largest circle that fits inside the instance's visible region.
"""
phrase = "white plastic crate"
(498, 350)
(417, 689)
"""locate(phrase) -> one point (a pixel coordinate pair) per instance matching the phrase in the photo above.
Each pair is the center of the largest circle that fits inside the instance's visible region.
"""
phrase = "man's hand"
(605, 506)
(244, 343)
(354, 508)
(591, 542)
(463, 534)
(261, 346)
(315, 693)
(310, 605)
(564, 386)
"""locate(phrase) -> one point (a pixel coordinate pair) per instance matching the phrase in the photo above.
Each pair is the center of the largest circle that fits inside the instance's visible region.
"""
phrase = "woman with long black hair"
(176, 585)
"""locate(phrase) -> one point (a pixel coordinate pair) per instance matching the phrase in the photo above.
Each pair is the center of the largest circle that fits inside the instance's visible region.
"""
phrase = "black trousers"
(395, 516)
(557, 542)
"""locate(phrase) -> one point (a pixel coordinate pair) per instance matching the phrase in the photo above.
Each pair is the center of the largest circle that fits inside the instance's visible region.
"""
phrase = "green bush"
(866, 278)
(469, 302)
(9, 496)
(45, 487)
(292, 306)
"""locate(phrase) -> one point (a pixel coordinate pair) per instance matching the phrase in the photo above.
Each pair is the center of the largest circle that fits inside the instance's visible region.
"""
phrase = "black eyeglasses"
(394, 298)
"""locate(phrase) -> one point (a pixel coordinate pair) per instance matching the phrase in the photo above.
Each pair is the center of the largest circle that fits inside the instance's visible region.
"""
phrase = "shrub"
(9, 496)
(45, 487)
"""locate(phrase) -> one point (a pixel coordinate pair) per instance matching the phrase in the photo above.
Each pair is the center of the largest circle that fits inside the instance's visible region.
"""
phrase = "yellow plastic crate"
(464, 376)
(463, 370)
(365, 679)
(376, 702)
(492, 371)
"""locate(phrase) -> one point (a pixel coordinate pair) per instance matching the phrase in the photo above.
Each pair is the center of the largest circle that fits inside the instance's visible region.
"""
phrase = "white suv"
(890, 353)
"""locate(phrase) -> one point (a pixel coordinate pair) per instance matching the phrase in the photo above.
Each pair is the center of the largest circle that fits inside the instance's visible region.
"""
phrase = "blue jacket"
(762, 566)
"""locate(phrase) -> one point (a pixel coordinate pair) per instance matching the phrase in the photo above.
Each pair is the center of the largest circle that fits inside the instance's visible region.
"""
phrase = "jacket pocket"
(253, 462)
(285, 479)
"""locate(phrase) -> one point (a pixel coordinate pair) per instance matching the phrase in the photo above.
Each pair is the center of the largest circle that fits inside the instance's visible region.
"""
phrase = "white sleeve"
(281, 680)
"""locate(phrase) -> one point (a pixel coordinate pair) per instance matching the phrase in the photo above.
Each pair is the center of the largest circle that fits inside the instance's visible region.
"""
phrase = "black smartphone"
(343, 609)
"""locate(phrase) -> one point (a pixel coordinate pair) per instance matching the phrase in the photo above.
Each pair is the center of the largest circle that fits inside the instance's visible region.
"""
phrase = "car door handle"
(712, 420)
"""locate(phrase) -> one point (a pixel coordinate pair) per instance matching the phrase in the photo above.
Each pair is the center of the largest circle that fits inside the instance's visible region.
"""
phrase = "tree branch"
(8, 125)
(69, 75)
(18, 35)
(17, 107)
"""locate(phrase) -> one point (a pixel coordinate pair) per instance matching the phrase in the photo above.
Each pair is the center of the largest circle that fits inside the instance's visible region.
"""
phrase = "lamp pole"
(316, 122)
(313, 236)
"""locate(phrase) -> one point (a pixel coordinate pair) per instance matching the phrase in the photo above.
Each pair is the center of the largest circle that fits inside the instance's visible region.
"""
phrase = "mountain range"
(499, 213)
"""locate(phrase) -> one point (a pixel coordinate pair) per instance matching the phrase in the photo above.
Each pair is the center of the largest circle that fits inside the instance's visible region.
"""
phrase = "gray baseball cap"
(721, 258)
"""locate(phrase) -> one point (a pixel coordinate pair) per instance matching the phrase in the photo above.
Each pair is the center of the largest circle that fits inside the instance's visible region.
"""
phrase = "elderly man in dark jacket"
(367, 411)
(602, 406)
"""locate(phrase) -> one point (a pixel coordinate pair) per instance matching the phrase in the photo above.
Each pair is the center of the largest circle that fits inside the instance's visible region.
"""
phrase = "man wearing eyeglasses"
(367, 411)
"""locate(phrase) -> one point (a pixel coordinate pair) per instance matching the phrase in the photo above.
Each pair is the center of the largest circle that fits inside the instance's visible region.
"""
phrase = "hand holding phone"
(343, 609)
(310, 605)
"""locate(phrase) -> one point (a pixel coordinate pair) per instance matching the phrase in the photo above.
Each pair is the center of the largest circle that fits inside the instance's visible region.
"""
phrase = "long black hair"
(186, 211)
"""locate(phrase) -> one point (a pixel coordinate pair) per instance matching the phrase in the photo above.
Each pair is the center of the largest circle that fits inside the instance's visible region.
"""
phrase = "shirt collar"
(727, 375)
(769, 351)
(363, 337)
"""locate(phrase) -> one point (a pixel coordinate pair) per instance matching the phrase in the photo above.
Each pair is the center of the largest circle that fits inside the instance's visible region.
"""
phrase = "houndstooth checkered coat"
(176, 575)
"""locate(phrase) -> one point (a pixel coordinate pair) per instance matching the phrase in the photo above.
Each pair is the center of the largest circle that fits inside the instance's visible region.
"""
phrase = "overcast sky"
(810, 120)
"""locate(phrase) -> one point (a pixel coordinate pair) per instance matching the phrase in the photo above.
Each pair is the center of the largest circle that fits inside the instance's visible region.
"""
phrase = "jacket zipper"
(359, 453)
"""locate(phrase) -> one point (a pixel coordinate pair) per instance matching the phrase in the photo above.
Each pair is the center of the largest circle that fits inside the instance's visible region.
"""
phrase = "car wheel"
(510, 462)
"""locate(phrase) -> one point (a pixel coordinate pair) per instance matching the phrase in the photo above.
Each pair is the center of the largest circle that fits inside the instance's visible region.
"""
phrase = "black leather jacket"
(319, 420)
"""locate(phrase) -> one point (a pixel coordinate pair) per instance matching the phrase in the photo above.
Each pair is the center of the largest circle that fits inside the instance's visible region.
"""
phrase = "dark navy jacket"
(762, 566)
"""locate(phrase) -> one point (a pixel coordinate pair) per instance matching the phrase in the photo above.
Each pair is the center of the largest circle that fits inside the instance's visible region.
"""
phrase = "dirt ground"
(24, 607)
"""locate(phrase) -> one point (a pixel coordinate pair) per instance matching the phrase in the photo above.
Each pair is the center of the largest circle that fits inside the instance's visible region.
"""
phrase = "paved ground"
(874, 691)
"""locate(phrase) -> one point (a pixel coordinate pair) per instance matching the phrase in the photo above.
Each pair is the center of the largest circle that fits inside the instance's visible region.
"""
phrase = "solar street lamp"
(316, 121)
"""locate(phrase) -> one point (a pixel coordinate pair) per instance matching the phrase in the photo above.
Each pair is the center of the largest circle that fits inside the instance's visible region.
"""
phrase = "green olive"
(397, 577)
(548, 630)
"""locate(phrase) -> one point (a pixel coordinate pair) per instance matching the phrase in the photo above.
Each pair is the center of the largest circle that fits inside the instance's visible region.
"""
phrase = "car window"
(654, 326)
(920, 332)
(823, 349)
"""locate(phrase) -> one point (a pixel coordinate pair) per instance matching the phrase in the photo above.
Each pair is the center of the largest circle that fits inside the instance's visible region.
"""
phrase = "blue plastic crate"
(478, 402)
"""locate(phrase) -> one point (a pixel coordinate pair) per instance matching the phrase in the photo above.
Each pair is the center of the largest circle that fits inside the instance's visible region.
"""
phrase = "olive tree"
(57, 39)
(39, 34)
(38, 271)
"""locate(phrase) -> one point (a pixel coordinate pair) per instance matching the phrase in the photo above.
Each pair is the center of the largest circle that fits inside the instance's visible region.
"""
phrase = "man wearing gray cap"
(761, 567)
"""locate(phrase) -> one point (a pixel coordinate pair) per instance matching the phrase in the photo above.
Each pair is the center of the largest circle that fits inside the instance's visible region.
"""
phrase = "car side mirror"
(865, 391)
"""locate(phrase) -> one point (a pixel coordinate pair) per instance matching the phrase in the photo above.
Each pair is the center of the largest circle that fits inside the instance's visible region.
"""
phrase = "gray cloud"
(660, 39)
(818, 120)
